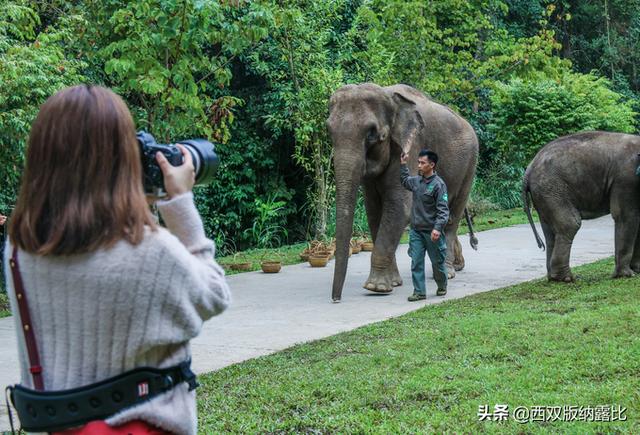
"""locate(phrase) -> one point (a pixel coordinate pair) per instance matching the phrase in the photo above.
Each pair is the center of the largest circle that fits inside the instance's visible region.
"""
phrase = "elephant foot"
(562, 278)
(636, 268)
(458, 258)
(396, 281)
(624, 272)
(377, 288)
(450, 266)
(380, 282)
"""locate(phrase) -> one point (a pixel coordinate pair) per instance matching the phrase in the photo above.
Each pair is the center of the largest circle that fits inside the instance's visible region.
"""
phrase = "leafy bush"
(256, 76)
(360, 223)
(266, 231)
(478, 203)
(527, 115)
(33, 67)
(245, 175)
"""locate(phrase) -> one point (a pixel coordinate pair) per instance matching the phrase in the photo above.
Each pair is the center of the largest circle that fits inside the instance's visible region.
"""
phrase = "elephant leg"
(550, 241)
(635, 259)
(373, 207)
(458, 258)
(564, 226)
(384, 274)
(560, 270)
(396, 279)
(626, 228)
(456, 247)
(455, 260)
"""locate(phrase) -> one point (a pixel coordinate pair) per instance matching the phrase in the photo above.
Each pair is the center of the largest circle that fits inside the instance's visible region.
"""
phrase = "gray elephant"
(585, 176)
(370, 127)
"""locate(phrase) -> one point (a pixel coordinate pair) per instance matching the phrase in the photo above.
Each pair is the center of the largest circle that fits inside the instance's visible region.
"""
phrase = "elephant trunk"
(346, 192)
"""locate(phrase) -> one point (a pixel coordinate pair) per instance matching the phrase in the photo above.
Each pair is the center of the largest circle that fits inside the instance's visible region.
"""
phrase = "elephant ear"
(407, 124)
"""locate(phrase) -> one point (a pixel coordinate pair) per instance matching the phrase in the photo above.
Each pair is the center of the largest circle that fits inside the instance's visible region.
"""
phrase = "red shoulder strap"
(27, 326)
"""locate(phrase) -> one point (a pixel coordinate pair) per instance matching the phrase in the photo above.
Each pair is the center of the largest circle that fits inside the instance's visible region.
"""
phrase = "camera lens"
(205, 159)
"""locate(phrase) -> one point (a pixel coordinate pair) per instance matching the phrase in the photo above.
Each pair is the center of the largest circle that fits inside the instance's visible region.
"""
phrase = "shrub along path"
(271, 312)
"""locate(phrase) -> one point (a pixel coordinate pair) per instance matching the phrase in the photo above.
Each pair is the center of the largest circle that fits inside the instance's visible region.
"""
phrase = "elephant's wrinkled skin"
(370, 126)
(585, 176)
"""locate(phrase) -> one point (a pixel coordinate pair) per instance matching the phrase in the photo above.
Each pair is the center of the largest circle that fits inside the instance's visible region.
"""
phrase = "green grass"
(533, 344)
(490, 220)
(287, 254)
(497, 219)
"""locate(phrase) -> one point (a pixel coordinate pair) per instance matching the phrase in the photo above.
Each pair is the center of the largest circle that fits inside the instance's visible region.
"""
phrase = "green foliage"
(18, 21)
(288, 255)
(300, 71)
(245, 175)
(166, 56)
(360, 223)
(450, 49)
(33, 67)
(5, 308)
(256, 77)
(602, 36)
(523, 16)
(527, 115)
(439, 43)
(501, 183)
(266, 231)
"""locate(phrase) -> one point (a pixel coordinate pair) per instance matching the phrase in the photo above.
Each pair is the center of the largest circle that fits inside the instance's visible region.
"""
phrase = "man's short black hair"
(433, 157)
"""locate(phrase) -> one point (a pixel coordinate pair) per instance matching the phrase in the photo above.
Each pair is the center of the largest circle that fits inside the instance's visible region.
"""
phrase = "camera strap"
(27, 326)
(45, 411)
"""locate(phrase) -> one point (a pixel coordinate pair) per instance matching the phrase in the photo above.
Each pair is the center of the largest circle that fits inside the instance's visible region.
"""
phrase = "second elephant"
(585, 176)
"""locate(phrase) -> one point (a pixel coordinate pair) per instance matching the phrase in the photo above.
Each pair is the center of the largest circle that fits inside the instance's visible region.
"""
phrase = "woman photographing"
(109, 291)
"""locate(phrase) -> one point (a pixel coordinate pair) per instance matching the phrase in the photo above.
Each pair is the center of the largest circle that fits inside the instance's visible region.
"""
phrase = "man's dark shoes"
(441, 292)
(416, 297)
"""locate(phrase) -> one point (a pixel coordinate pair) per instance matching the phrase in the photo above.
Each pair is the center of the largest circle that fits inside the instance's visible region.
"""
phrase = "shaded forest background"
(256, 77)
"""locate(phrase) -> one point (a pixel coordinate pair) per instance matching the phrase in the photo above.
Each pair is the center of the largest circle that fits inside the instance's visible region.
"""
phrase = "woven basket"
(318, 261)
(271, 266)
(240, 266)
(367, 246)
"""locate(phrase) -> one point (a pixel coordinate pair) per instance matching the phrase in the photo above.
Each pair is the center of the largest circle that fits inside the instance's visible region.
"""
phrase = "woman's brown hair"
(82, 185)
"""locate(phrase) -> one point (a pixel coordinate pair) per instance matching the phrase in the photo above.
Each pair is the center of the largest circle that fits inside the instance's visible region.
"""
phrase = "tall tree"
(33, 67)
(301, 75)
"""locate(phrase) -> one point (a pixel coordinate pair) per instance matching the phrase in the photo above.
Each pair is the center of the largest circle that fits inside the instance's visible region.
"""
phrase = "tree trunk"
(321, 194)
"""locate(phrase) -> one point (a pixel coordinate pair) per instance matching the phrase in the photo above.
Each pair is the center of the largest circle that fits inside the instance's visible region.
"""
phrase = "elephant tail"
(526, 195)
(473, 240)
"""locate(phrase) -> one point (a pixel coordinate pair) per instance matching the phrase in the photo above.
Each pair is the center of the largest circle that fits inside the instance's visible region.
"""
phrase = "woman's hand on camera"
(177, 179)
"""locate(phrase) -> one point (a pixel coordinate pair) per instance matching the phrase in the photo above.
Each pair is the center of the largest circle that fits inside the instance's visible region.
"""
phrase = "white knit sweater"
(100, 314)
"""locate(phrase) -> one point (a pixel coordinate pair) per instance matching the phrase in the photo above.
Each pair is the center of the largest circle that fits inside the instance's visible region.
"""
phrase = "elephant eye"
(372, 136)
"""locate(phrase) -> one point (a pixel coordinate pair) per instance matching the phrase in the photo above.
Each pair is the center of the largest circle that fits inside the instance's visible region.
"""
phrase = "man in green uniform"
(429, 215)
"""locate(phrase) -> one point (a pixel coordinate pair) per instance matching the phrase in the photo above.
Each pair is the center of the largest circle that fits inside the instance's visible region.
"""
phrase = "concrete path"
(271, 312)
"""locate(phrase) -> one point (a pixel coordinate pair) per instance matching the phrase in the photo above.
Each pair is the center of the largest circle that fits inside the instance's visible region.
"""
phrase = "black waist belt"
(41, 411)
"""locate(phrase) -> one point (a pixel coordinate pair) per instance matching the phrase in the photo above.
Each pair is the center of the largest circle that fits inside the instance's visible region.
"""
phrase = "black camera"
(203, 154)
